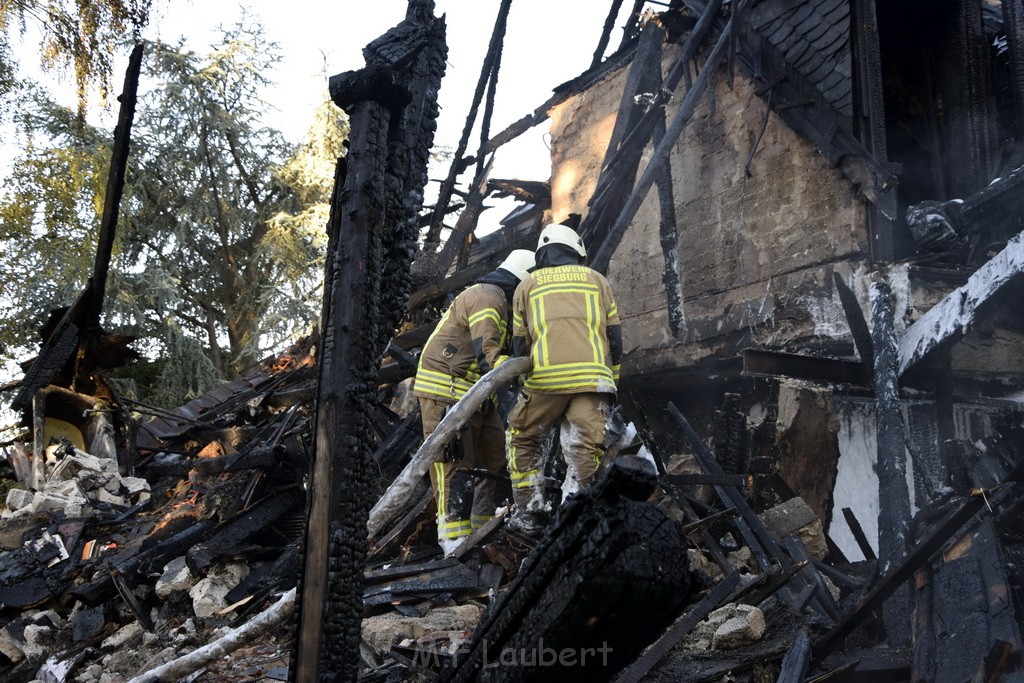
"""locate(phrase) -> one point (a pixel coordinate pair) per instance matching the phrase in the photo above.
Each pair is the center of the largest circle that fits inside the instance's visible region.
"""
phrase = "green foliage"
(81, 35)
(221, 236)
(49, 217)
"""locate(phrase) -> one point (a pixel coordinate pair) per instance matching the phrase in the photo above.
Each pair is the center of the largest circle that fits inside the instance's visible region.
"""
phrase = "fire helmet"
(561, 234)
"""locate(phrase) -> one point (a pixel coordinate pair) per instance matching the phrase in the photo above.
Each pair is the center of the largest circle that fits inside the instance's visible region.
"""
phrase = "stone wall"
(756, 251)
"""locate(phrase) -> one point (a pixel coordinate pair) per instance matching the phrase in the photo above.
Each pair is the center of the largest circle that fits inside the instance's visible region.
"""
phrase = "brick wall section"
(756, 253)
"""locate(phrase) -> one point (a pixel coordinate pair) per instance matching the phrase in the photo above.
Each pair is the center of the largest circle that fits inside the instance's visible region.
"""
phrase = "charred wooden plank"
(710, 545)
(899, 573)
(679, 630)
(243, 527)
(738, 480)
(660, 154)
(480, 534)
(125, 591)
(102, 589)
(577, 588)
(730, 494)
(963, 308)
(796, 661)
(859, 535)
(708, 522)
(765, 363)
(404, 526)
(855, 320)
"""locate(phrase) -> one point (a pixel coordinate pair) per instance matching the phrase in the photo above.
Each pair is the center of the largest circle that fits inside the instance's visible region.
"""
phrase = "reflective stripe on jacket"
(448, 365)
(563, 313)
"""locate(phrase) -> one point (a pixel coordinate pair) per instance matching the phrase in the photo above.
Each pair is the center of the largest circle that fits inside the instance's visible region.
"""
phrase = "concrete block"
(135, 485)
(176, 577)
(123, 636)
(745, 627)
(18, 499)
(796, 517)
(208, 594)
(12, 640)
(38, 639)
(105, 496)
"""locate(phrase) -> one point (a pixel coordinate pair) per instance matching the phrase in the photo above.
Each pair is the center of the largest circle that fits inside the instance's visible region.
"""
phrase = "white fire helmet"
(561, 234)
(519, 262)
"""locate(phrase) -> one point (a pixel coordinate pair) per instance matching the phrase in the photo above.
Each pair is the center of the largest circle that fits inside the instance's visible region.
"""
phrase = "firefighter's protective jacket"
(563, 313)
(467, 342)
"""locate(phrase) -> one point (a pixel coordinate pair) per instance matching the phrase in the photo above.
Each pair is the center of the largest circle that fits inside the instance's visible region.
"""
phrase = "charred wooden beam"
(404, 526)
(681, 628)
(898, 574)
(102, 589)
(966, 614)
(972, 148)
(372, 228)
(661, 153)
(893, 493)
(329, 624)
(855, 320)
(796, 661)
(765, 363)
(710, 545)
(959, 311)
(859, 535)
(115, 188)
(63, 341)
(233, 533)
(480, 534)
(487, 73)
(668, 238)
(738, 480)
(606, 32)
(730, 494)
(1013, 21)
(375, 83)
(610, 573)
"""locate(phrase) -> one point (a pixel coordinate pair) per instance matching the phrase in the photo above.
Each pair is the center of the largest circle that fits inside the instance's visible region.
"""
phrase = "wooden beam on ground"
(679, 630)
(898, 575)
(959, 311)
(796, 661)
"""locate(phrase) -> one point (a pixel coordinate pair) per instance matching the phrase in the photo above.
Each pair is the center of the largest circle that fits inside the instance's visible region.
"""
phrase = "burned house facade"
(834, 148)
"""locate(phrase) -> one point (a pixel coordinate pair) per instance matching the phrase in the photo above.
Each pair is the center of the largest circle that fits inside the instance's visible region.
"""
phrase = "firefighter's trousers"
(583, 435)
(463, 506)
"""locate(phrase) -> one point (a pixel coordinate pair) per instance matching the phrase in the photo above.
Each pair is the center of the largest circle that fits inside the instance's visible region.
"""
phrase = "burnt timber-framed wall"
(747, 244)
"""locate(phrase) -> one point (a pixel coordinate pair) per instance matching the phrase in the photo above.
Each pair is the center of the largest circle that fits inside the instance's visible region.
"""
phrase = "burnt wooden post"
(1013, 21)
(893, 493)
(392, 108)
(868, 90)
(66, 341)
(114, 189)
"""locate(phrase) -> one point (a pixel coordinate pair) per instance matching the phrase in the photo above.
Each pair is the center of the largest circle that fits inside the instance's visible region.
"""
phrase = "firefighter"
(565, 318)
(470, 339)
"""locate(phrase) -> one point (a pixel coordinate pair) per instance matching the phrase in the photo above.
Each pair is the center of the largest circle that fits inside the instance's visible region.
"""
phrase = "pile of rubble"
(662, 571)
